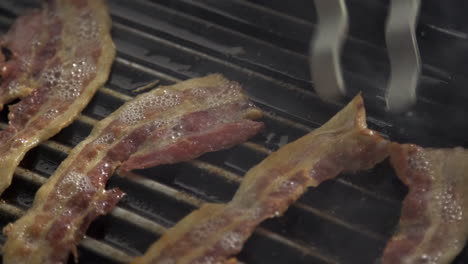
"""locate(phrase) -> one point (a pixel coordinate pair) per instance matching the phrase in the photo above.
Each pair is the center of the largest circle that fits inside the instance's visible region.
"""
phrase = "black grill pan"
(263, 45)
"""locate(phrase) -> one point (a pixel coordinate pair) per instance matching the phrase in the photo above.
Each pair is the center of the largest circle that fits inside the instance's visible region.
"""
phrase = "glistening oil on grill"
(263, 45)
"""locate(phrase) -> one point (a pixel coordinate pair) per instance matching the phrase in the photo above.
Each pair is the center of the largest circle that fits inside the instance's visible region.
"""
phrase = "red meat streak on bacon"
(215, 232)
(202, 138)
(167, 125)
(60, 55)
(432, 227)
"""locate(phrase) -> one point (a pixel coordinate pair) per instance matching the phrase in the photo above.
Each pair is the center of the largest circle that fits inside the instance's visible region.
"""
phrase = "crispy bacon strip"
(433, 227)
(61, 55)
(215, 232)
(169, 124)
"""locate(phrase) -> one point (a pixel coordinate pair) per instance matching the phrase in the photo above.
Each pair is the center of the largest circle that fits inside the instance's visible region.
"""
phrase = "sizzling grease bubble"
(175, 135)
(216, 97)
(158, 124)
(57, 208)
(67, 212)
(430, 258)
(135, 111)
(25, 237)
(232, 241)
(51, 113)
(51, 76)
(66, 81)
(21, 140)
(132, 114)
(230, 93)
(451, 209)
(25, 141)
(107, 138)
(73, 183)
(289, 185)
(13, 88)
(67, 90)
(178, 127)
(200, 92)
(82, 69)
(25, 62)
(87, 27)
(105, 168)
(419, 162)
(154, 128)
(168, 99)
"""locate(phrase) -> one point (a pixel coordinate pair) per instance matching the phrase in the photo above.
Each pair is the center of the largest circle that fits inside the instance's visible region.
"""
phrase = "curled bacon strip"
(215, 232)
(169, 124)
(433, 228)
(60, 55)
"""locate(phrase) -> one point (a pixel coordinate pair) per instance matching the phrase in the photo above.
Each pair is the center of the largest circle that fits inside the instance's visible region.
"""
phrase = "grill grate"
(263, 45)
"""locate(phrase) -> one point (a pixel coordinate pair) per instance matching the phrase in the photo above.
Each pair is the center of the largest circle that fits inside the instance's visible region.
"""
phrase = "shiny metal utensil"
(402, 48)
(403, 53)
(326, 49)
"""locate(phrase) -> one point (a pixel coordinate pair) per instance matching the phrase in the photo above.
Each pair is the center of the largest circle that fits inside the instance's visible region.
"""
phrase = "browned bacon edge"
(433, 227)
(61, 55)
(167, 125)
(215, 232)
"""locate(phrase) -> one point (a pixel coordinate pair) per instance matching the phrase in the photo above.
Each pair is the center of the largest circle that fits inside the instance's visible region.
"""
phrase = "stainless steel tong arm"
(326, 48)
(401, 43)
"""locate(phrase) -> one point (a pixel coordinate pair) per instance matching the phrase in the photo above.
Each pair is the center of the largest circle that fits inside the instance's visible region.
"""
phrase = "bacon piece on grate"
(433, 227)
(167, 125)
(216, 232)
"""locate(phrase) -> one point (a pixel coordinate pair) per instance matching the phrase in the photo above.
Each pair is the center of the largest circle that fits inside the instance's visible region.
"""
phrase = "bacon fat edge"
(215, 232)
(166, 125)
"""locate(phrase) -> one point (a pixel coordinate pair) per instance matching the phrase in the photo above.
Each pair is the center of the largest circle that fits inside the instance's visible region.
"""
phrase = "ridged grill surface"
(263, 45)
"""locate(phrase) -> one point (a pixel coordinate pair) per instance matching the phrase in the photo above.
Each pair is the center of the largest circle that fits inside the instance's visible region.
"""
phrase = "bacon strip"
(169, 124)
(433, 227)
(61, 55)
(215, 232)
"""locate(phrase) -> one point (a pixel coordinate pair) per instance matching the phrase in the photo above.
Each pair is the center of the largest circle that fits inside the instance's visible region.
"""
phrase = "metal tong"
(405, 65)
